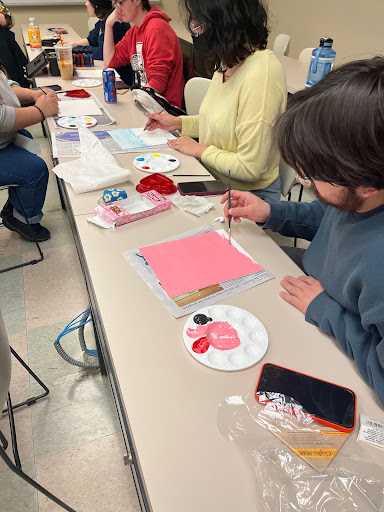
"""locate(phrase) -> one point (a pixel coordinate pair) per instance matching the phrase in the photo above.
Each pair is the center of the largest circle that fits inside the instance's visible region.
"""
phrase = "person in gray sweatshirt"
(332, 134)
(19, 163)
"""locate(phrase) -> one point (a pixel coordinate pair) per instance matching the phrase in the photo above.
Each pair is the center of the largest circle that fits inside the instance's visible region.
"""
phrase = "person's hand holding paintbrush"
(244, 205)
(162, 120)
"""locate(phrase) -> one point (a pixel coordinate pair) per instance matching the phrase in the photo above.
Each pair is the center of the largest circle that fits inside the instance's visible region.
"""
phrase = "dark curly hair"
(334, 131)
(234, 28)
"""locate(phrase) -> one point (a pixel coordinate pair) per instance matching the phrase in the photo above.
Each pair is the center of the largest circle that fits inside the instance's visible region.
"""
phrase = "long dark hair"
(102, 12)
(235, 28)
(334, 131)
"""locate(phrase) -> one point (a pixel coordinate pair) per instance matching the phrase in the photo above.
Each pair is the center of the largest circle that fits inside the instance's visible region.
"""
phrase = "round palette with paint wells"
(76, 121)
(156, 162)
(86, 82)
(225, 338)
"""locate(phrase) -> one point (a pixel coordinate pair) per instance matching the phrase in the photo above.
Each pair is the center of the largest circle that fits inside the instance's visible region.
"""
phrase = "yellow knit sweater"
(235, 121)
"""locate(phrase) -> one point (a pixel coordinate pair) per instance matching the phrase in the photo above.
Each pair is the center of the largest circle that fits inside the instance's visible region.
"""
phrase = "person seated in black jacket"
(11, 54)
(95, 40)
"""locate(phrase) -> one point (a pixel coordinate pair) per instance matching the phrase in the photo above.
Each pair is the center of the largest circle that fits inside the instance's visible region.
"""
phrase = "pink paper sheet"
(193, 263)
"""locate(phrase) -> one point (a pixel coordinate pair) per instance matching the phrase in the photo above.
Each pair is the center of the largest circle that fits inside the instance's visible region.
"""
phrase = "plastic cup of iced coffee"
(64, 61)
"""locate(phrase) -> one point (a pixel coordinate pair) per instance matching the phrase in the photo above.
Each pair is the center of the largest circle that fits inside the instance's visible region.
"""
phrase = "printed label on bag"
(316, 453)
(371, 431)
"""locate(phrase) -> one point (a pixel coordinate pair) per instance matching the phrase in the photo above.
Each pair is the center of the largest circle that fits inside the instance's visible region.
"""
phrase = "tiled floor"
(69, 441)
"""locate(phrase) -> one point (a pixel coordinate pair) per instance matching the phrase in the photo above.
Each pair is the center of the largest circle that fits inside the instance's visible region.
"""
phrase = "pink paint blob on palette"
(225, 338)
(221, 335)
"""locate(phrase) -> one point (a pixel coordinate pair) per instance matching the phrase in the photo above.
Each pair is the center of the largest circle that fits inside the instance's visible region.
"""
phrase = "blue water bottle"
(322, 61)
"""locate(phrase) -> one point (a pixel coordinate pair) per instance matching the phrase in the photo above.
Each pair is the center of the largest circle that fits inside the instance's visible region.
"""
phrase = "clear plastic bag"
(285, 481)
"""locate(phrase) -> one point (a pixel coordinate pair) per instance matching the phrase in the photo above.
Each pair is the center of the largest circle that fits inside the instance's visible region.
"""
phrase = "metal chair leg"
(31, 482)
(12, 428)
(31, 262)
(43, 128)
(33, 399)
(299, 200)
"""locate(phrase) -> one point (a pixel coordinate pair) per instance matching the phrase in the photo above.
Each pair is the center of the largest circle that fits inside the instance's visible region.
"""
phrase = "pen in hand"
(42, 90)
(152, 121)
(229, 206)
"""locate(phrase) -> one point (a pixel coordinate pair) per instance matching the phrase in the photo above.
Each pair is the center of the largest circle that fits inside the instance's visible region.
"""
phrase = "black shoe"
(7, 210)
(31, 232)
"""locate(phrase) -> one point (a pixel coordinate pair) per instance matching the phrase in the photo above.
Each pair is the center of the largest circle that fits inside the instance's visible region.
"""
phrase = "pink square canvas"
(196, 262)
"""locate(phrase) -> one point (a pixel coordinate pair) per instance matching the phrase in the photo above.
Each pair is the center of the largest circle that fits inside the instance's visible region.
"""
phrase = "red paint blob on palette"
(201, 345)
(145, 167)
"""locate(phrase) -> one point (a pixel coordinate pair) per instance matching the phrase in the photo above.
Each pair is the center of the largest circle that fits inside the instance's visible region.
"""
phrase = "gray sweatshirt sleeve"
(8, 103)
(301, 220)
(360, 337)
(7, 118)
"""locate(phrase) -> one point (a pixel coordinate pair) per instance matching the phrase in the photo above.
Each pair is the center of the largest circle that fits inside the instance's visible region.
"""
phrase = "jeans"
(270, 194)
(30, 173)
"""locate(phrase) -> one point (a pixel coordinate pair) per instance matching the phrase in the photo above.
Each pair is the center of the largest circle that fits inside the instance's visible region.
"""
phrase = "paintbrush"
(229, 206)
(152, 121)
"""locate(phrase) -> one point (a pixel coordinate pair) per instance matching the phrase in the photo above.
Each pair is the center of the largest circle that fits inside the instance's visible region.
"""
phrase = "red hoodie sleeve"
(159, 56)
(122, 55)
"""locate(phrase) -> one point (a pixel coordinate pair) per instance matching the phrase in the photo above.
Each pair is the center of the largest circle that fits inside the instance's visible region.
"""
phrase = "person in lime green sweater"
(247, 92)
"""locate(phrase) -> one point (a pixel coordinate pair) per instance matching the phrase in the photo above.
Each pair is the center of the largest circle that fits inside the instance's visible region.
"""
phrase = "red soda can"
(109, 84)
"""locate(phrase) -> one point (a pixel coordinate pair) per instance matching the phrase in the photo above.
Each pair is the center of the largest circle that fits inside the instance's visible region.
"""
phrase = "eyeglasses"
(118, 4)
(306, 182)
(196, 31)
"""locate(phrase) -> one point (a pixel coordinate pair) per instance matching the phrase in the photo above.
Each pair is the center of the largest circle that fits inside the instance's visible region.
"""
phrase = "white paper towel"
(96, 168)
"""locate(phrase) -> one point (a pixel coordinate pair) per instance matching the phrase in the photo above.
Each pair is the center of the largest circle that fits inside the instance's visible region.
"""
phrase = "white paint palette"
(233, 340)
(76, 121)
(86, 82)
(156, 162)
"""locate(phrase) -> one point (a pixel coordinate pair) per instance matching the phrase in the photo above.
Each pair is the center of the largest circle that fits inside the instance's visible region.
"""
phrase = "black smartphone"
(53, 87)
(202, 188)
(327, 403)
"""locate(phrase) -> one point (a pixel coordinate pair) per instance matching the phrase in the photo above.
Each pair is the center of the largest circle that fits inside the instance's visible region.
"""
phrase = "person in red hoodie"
(151, 46)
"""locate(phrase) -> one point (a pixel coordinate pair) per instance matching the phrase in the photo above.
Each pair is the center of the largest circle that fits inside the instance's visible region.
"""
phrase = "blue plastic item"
(115, 194)
(322, 61)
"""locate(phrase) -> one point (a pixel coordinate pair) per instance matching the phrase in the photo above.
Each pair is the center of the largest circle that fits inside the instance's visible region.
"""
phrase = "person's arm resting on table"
(81, 42)
(93, 42)
(13, 119)
(360, 337)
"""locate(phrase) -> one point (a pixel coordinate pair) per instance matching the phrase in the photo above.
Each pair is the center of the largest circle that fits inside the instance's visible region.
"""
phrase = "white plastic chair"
(194, 92)
(305, 55)
(287, 178)
(92, 22)
(280, 44)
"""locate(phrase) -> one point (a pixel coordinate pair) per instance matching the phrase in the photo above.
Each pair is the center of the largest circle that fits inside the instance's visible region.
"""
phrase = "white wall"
(355, 25)
(75, 15)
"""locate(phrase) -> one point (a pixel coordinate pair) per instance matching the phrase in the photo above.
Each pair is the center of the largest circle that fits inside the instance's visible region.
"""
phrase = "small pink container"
(133, 208)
